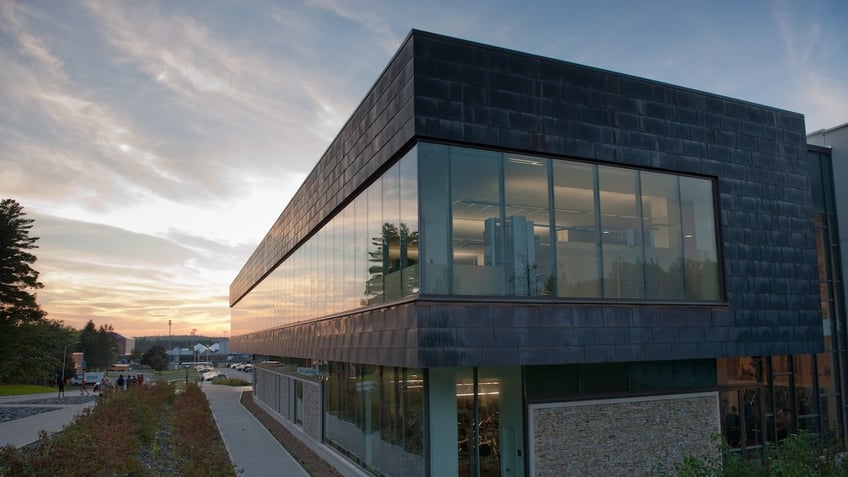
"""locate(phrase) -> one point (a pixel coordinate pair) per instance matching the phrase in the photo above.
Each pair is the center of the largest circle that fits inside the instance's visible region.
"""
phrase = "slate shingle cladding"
(443, 89)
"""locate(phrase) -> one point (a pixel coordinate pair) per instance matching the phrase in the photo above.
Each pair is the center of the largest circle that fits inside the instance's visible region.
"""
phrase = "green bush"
(231, 382)
(799, 455)
(142, 431)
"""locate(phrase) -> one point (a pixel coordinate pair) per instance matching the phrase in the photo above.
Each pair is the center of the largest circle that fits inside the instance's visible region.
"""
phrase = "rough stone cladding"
(622, 437)
(312, 409)
(442, 89)
(274, 390)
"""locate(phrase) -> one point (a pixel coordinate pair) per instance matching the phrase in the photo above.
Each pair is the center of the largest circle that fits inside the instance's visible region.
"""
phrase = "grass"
(18, 389)
(231, 382)
(170, 375)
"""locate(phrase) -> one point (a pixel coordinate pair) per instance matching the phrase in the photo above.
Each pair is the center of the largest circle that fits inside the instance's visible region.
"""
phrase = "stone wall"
(275, 390)
(626, 437)
(312, 409)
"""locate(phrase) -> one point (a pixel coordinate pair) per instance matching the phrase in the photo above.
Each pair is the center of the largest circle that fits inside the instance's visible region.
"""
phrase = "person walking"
(83, 388)
(121, 381)
(61, 382)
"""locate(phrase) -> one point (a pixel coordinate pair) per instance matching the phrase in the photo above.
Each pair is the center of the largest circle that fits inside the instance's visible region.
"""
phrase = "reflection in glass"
(434, 178)
(373, 414)
(663, 240)
(409, 224)
(492, 225)
(527, 243)
(391, 253)
(699, 239)
(621, 233)
(344, 264)
(376, 245)
(577, 237)
(478, 249)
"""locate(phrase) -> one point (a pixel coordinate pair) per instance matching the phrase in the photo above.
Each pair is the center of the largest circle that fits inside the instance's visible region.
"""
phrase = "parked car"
(210, 375)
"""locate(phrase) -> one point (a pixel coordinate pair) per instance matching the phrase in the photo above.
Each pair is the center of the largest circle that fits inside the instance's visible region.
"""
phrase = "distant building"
(125, 345)
(511, 265)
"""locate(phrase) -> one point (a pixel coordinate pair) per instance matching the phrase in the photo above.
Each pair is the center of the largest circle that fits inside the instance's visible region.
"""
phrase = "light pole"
(64, 355)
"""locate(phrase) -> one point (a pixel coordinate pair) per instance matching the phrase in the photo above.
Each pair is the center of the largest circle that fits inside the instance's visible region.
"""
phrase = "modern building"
(509, 265)
(126, 345)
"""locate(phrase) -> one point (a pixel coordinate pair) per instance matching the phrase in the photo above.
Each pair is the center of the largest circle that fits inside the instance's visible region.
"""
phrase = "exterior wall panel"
(380, 126)
(465, 93)
(621, 437)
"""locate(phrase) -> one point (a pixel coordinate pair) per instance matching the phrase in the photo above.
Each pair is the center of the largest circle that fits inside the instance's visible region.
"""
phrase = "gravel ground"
(12, 413)
(65, 400)
(12, 410)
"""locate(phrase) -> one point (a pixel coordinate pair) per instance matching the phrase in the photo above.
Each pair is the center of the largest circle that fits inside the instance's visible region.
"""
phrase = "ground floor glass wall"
(375, 416)
(765, 399)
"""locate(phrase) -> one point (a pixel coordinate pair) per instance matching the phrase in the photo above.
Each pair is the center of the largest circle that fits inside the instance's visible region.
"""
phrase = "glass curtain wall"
(366, 255)
(501, 224)
(829, 367)
(374, 415)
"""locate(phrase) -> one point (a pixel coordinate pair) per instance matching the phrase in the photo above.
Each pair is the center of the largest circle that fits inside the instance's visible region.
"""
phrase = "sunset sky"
(155, 142)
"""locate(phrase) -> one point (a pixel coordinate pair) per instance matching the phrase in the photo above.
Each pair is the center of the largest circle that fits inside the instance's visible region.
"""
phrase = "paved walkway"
(49, 414)
(253, 450)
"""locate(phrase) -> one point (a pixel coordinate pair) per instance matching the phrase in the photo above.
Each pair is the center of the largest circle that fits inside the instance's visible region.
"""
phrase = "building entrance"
(478, 425)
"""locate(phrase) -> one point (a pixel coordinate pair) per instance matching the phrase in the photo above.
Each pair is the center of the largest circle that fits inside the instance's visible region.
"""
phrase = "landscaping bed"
(143, 431)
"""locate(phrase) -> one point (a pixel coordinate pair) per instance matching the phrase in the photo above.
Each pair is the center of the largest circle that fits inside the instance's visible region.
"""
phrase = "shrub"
(799, 455)
(145, 430)
(231, 382)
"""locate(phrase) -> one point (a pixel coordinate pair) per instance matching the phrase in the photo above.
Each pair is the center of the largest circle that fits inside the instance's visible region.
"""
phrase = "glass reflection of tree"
(388, 254)
(625, 279)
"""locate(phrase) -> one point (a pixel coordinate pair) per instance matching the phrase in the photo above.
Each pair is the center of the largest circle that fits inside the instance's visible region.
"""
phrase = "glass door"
(478, 425)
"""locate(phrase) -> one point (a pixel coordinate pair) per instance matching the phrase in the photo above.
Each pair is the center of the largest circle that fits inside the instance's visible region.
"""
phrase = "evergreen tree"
(20, 314)
(99, 346)
(17, 277)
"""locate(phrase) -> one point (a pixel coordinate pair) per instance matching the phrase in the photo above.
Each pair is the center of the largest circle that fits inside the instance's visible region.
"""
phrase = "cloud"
(369, 19)
(135, 281)
(820, 89)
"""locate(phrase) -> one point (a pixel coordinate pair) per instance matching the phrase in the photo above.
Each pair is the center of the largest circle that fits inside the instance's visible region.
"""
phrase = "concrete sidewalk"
(253, 450)
(56, 414)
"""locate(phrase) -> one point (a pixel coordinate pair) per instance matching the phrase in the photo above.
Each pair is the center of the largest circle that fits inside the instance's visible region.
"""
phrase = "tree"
(18, 282)
(99, 346)
(156, 358)
(40, 349)
(17, 277)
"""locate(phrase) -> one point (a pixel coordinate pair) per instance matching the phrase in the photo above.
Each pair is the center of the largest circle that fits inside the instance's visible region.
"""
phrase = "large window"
(499, 224)
(375, 415)
(577, 232)
(478, 248)
(523, 225)
(365, 255)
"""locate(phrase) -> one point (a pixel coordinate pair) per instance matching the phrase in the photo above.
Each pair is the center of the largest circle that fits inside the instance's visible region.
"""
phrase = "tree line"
(33, 347)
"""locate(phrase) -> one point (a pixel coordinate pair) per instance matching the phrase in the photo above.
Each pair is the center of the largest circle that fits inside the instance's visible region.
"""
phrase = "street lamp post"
(64, 355)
